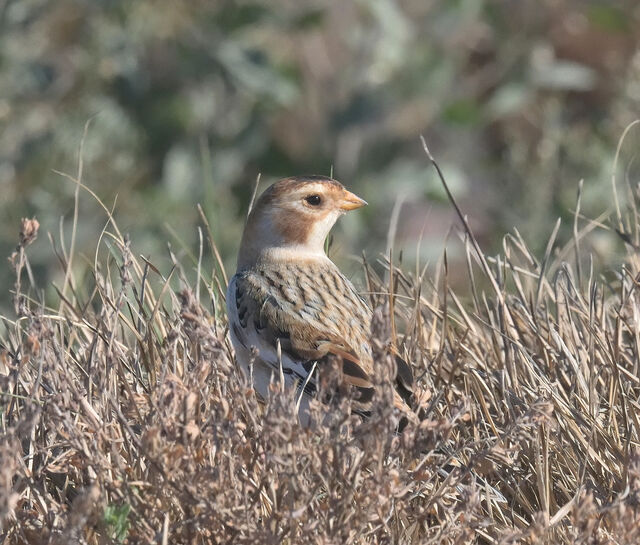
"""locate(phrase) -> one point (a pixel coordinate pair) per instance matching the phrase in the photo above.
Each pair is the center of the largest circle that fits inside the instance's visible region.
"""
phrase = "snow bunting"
(292, 313)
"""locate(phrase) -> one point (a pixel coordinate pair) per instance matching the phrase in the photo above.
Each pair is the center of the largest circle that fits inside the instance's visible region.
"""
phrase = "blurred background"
(189, 101)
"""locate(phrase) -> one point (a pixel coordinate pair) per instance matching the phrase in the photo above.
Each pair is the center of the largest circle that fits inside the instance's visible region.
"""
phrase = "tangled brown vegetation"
(124, 418)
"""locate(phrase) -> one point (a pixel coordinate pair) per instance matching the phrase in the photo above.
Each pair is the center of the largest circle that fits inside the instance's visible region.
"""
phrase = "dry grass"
(124, 420)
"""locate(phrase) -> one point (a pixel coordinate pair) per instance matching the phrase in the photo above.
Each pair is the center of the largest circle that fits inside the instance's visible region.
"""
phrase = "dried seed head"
(32, 345)
(28, 231)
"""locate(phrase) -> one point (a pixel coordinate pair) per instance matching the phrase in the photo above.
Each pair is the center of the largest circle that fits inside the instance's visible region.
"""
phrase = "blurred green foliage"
(116, 519)
(189, 101)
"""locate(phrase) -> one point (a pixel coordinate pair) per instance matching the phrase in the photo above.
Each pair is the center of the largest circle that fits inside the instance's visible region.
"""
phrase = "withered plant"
(124, 419)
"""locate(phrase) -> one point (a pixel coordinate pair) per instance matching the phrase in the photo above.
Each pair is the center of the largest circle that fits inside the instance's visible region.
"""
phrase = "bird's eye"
(313, 200)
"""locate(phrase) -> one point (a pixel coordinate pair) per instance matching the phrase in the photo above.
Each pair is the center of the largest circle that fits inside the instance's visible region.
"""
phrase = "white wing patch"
(254, 350)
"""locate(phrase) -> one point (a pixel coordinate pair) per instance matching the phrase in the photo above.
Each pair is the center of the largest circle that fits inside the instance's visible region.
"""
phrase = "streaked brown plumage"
(290, 307)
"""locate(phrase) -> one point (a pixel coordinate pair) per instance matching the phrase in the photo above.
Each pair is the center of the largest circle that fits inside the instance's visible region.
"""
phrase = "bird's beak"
(351, 201)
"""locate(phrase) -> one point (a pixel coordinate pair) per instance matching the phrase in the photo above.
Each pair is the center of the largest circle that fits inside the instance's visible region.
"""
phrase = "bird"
(292, 313)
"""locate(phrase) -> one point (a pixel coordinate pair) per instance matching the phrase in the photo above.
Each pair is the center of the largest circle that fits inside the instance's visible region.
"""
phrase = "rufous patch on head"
(296, 228)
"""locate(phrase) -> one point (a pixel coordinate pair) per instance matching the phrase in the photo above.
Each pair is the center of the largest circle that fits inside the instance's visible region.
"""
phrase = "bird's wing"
(314, 314)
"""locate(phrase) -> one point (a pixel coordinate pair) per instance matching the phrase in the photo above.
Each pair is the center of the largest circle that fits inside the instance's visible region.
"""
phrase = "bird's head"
(293, 217)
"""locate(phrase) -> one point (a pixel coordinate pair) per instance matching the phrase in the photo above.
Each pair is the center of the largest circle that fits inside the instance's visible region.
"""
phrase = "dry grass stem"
(123, 418)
